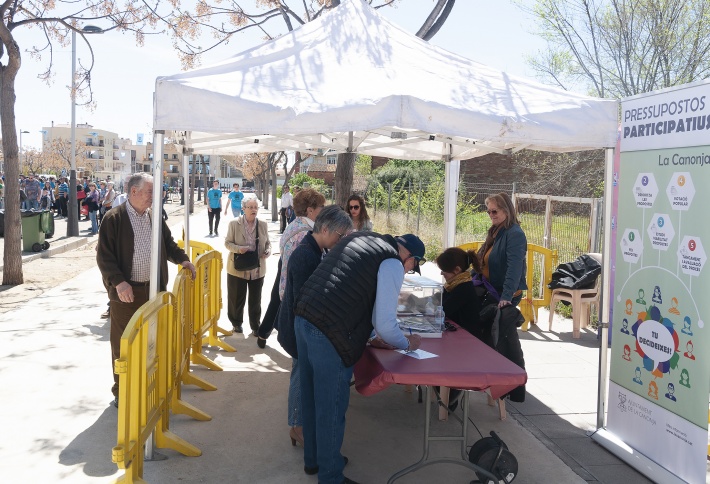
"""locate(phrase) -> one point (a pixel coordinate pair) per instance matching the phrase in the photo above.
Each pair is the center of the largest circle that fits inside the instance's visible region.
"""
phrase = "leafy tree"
(406, 171)
(363, 165)
(619, 48)
(301, 179)
(55, 21)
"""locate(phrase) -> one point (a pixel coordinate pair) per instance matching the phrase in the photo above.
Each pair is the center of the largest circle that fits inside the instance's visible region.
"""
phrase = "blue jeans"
(294, 396)
(94, 223)
(325, 395)
(32, 204)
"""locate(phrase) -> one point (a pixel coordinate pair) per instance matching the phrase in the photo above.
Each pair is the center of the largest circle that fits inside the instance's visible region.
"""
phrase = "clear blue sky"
(495, 33)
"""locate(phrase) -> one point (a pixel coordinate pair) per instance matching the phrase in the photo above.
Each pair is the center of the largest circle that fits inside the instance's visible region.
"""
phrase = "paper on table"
(418, 354)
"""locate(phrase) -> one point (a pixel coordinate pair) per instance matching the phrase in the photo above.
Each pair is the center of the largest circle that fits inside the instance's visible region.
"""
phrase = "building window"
(332, 159)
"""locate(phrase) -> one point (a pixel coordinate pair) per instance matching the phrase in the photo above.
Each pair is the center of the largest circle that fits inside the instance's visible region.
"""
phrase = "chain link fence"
(569, 225)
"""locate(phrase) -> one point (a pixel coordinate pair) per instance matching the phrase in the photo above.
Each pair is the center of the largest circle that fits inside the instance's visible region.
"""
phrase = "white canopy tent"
(351, 81)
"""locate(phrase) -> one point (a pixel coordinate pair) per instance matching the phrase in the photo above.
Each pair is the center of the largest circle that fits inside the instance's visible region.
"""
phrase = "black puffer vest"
(339, 297)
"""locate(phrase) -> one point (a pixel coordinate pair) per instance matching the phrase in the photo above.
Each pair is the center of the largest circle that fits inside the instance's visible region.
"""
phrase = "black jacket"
(301, 264)
(339, 297)
(463, 307)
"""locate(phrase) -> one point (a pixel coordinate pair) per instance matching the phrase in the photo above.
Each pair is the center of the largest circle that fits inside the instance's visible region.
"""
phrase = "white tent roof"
(354, 71)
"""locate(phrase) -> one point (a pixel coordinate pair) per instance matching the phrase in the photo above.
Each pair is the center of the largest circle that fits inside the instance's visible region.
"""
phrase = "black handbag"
(250, 259)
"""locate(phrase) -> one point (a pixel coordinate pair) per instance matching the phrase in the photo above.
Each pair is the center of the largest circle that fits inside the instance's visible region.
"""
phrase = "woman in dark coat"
(460, 302)
(502, 255)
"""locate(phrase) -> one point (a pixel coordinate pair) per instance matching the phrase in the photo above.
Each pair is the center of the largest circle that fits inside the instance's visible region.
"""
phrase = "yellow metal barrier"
(530, 304)
(207, 304)
(196, 248)
(143, 374)
(546, 261)
(179, 346)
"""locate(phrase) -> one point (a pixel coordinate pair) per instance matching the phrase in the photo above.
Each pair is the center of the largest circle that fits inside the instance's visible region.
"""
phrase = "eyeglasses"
(420, 260)
(340, 236)
(492, 212)
(354, 207)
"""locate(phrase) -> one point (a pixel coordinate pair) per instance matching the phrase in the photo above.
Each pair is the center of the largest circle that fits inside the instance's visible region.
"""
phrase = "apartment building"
(104, 153)
(108, 155)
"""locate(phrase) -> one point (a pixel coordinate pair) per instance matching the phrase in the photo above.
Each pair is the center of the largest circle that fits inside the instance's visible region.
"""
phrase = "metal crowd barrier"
(143, 369)
(180, 342)
(207, 299)
(196, 248)
(530, 304)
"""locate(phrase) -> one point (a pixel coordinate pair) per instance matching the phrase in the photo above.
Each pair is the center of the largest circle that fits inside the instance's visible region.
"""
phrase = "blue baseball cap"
(415, 246)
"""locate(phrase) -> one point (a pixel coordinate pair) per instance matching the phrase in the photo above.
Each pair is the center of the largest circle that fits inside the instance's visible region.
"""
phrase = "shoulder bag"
(250, 259)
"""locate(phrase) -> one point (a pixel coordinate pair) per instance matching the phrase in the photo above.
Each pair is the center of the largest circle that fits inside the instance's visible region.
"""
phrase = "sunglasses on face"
(354, 207)
(492, 212)
(419, 261)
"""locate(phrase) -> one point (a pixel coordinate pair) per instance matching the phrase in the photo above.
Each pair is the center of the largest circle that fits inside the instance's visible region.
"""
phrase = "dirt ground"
(44, 274)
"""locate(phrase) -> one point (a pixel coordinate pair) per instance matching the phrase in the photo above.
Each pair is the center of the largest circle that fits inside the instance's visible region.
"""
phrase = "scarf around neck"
(465, 276)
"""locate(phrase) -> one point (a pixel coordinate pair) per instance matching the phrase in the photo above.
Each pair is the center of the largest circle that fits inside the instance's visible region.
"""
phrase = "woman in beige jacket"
(241, 237)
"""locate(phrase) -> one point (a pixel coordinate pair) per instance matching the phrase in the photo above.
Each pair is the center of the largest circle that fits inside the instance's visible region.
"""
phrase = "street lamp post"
(73, 210)
(21, 150)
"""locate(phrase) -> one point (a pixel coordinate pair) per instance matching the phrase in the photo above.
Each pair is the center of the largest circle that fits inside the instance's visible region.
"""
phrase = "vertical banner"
(660, 357)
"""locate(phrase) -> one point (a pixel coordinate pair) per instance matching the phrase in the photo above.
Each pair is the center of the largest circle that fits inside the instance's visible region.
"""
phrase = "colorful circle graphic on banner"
(656, 342)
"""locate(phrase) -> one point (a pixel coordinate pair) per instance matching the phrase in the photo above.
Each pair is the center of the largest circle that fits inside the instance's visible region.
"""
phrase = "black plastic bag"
(581, 273)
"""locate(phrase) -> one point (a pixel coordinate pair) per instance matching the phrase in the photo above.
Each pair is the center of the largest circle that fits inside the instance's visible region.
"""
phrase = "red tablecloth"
(463, 361)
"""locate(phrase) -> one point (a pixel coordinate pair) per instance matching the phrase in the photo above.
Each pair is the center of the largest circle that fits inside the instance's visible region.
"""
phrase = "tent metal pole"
(157, 212)
(186, 152)
(156, 236)
(451, 191)
(606, 296)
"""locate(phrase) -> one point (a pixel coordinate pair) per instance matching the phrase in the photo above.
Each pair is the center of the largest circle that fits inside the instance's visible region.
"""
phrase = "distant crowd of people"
(94, 198)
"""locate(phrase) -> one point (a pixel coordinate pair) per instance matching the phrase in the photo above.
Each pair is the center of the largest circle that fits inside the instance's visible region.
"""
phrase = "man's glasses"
(354, 207)
(492, 212)
(420, 260)
(340, 236)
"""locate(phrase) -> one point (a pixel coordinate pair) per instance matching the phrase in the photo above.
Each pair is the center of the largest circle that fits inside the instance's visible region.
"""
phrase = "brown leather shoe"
(296, 434)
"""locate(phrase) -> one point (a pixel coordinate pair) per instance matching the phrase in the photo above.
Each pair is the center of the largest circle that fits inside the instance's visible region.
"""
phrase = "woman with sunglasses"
(502, 255)
(358, 213)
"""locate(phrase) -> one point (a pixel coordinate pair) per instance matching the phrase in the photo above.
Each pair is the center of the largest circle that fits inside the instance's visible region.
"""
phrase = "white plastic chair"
(581, 300)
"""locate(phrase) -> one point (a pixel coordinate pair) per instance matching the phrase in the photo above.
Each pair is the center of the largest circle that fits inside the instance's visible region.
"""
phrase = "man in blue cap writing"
(354, 289)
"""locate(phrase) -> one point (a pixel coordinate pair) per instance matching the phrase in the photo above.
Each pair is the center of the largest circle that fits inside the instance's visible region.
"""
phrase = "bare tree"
(57, 154)
(55, 21)
(618, 48)
(577, 174)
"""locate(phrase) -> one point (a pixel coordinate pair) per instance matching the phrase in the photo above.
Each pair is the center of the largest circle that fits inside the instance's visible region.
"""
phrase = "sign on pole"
(660, 354)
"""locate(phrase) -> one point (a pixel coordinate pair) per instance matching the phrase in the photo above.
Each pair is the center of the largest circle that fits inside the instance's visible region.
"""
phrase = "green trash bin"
(32, 233)
(47, 224)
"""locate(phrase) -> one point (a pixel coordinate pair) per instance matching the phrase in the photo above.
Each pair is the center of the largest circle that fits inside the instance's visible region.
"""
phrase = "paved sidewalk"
(59, 427)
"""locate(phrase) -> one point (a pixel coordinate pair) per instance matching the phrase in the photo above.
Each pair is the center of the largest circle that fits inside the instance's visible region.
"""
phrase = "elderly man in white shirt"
(286, 203)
